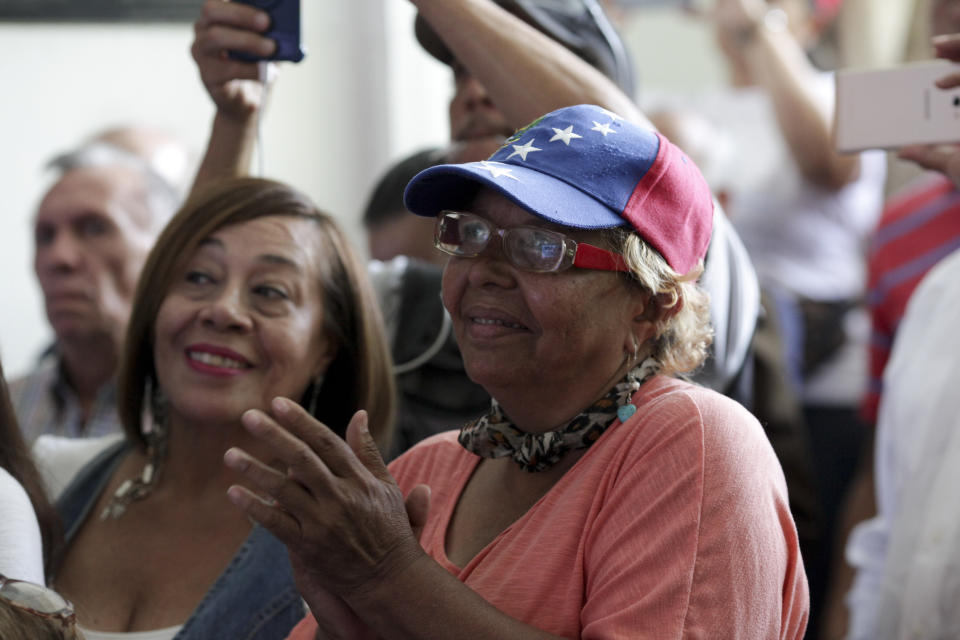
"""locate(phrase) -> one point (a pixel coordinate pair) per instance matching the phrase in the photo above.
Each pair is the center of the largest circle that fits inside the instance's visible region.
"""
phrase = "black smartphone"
(284, 30)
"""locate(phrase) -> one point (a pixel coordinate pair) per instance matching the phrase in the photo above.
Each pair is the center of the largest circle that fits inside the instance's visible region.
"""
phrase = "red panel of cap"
(672, 209)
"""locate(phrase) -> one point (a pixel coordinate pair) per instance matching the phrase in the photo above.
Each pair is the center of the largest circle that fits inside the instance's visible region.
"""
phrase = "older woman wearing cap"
(602, 496)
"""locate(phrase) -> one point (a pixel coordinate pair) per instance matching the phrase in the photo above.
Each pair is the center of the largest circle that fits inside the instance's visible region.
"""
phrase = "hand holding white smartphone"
(896, 107)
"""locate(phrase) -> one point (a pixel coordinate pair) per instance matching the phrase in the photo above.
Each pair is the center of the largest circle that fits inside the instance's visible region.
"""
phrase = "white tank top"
(154, 634)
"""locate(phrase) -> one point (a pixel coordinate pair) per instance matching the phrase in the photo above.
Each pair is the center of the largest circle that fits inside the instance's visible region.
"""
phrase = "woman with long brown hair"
(250, 292)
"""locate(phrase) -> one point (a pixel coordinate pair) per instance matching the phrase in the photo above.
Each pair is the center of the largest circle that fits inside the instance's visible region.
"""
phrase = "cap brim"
(454, 186)
(581, 27)
(433, 44)
(430, 41)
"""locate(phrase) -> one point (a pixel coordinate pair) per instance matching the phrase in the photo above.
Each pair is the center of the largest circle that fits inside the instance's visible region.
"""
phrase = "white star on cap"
(523, 150)
(497, 170)
(610, 114)
(564, 135)
(602, 128)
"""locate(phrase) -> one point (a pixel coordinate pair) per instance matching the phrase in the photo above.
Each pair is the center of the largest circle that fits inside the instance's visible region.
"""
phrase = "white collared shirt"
(908, 556)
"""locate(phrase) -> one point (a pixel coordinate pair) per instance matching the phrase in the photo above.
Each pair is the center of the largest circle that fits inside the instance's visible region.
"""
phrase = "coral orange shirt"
(673, 524)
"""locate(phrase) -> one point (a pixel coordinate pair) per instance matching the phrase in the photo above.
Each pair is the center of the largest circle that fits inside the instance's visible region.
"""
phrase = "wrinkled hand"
(942, 158)
(335, 619)
(230, 26)
(337, 509)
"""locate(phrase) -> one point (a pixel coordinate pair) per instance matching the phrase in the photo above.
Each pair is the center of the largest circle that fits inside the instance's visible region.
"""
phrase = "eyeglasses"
(466, 235)
(37, 600)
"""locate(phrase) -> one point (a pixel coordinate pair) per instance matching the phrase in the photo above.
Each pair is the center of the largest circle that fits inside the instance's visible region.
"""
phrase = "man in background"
(391, 230)
(92, 232)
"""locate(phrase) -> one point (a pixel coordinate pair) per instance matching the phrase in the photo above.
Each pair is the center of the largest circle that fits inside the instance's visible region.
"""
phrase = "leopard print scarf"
(493, 435)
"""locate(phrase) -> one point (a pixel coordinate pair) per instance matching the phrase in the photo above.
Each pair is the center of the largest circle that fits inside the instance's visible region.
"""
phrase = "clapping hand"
(338, 510)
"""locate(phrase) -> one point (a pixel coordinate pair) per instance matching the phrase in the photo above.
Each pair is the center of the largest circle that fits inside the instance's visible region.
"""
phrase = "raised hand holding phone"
(942, 158)
(238, 88)
(896, 107)
(233, 85)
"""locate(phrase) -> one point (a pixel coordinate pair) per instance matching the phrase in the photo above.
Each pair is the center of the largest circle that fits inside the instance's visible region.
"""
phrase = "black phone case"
(284, 30)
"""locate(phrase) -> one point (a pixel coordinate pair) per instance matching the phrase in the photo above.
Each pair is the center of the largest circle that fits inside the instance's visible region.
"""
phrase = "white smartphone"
(895, 107)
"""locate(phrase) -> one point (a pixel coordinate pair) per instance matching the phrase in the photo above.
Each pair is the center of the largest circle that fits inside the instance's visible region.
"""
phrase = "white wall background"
(672, 51)
(329, 130)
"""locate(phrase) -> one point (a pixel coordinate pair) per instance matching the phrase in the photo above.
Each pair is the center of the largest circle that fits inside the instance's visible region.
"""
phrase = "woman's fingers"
(235, 14)
(949, 81)
(365, 448)
(308, 468)
(311, 449)
(230, 26)
(290, 494)
(417, 504)
(227, 70)
(324, 443)
(947, 46)
(928, 157)
(277, 521)
(942, 158)
(221, 28)
(264, 476)
(215, 39)
(337, 507)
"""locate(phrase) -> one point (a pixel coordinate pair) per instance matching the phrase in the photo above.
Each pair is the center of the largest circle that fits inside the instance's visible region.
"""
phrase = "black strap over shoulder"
(81, 494)
(437, 395)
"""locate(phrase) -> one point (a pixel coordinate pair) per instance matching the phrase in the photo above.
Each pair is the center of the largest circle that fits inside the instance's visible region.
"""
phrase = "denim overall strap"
(253, 599)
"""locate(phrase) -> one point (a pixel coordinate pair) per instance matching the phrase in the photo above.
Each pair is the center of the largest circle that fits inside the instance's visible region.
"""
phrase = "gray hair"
(682, 309)
(162, 197)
